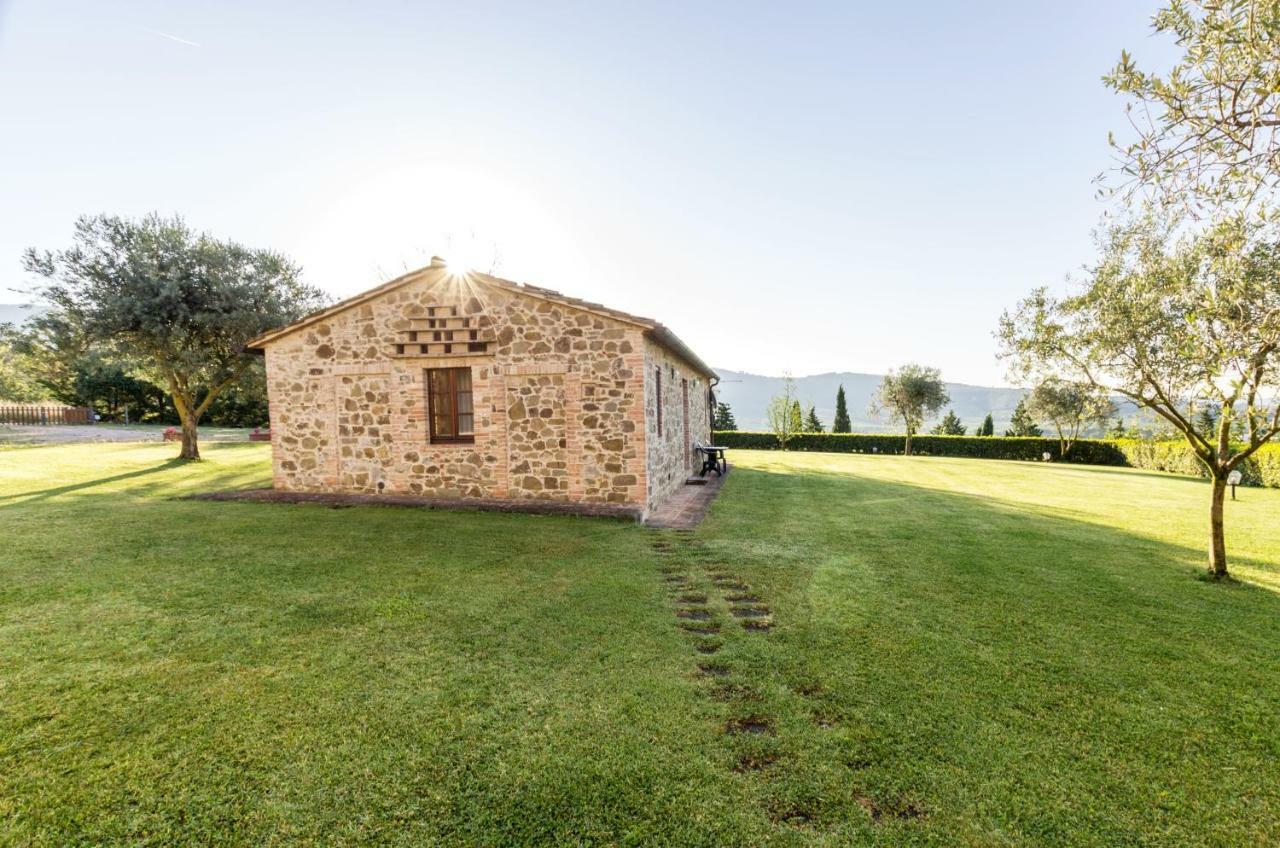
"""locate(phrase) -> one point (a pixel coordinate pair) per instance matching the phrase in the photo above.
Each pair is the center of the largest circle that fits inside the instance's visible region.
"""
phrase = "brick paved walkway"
(686, 507)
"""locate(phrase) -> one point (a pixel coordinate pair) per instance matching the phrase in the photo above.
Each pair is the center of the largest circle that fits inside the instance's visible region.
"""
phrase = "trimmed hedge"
(1261, 469)
(1090, 451)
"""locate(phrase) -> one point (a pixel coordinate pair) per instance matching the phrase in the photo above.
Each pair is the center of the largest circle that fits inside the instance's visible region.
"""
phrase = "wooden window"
(657, 373)
(449, 405)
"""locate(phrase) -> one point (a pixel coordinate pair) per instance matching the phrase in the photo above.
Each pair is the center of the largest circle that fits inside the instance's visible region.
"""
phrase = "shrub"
(1261, 469)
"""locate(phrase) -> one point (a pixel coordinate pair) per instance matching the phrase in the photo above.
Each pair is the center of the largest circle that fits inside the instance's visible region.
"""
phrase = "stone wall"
(557, 399)
(685, 421)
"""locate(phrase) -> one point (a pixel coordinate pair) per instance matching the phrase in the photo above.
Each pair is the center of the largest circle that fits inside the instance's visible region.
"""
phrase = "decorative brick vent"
(443, 332)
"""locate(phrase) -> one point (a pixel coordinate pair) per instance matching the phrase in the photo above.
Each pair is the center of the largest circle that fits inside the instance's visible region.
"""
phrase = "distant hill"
(749, 394)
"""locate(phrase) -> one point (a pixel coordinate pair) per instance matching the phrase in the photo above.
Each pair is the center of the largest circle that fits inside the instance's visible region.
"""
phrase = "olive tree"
(180, 303)
(910, 394)
(1166, 317)
(1070, 407)
(781, 413)
(1207, 132)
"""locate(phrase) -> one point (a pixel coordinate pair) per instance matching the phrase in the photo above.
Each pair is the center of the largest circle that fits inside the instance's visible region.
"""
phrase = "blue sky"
(802, 187)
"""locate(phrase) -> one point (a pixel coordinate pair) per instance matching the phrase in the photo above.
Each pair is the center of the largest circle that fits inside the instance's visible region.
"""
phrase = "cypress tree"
(840, 424)
(797, 417)
(988, 427)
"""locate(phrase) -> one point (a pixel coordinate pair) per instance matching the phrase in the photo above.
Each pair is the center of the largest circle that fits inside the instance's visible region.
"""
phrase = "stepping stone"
(693, 598)
(742, 599)
(708, 648)
(700, 627)
(754, 762)
(757, 625)
(725, 692)
(900, 811)
(736, 587)
(754, 725)
(749, 612)
(693, 614)
(712, 670)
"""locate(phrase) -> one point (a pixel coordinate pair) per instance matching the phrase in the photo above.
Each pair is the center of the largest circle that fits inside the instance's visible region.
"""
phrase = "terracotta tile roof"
(654, 329)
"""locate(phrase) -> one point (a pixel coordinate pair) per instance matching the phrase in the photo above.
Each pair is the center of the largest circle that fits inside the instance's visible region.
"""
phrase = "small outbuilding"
(462, 385)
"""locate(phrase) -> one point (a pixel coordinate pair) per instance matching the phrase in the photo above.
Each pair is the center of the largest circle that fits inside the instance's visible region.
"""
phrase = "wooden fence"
(37, 413)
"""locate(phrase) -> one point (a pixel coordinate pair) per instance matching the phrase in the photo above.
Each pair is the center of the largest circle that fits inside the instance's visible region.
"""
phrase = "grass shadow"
(42, 494)
(1057, 520)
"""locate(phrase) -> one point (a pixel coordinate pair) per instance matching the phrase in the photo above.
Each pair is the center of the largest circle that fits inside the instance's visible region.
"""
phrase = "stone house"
(462, 385)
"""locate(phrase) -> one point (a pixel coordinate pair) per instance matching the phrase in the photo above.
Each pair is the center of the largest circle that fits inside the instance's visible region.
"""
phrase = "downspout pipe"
(711, 408)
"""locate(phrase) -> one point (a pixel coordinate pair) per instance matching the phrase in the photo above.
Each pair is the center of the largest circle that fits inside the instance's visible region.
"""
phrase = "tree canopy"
(1023, 423)
(1168, 319)
(18, 375)
(724, 419)
(782, 413)
(182, 303)
(950, 425)
(1205, 132)
(1070, 407)
(910, 394)
(812, 423)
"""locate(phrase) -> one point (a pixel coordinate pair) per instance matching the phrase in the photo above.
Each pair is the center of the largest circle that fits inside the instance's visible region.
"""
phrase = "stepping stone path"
(687, 571)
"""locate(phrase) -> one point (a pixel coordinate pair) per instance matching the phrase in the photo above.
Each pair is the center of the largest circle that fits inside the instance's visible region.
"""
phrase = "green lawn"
(963, 652)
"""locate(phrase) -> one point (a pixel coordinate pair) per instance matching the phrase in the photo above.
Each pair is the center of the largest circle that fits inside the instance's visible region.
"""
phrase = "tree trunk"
(1217, 539)
(907, 450)
(190, 445)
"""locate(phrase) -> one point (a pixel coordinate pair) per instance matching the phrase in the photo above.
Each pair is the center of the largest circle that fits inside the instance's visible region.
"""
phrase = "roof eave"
(663, 336)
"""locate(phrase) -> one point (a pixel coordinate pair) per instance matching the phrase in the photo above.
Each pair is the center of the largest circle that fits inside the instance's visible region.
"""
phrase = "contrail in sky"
(171, 37)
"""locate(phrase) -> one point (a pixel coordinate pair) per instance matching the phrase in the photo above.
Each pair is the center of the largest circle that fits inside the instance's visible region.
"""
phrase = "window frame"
(457, 438)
